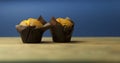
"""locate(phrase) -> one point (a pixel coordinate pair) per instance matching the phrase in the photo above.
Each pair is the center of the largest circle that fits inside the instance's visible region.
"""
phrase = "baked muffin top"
(31, 22)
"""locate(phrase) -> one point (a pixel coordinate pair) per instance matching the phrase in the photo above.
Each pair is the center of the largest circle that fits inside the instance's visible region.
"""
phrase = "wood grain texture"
(80, 49)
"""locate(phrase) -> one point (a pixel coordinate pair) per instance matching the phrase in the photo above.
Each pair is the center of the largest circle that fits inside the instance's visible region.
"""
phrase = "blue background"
(91, 17)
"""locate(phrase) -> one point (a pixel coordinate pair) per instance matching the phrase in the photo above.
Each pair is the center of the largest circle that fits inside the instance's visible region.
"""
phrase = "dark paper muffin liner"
(30, 34)
(60, 33)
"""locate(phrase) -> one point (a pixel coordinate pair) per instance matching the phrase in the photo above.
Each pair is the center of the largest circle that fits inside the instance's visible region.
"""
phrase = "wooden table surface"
(81, 49)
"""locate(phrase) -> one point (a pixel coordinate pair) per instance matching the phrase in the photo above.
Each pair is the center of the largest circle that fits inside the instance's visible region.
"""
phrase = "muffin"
(31, 30)
(61, 29)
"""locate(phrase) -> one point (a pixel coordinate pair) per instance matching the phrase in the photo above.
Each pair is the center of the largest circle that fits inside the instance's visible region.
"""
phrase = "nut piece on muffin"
(61, 29)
